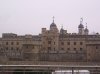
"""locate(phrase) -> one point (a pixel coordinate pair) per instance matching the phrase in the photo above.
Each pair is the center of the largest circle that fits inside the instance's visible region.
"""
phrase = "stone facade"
(51, 45)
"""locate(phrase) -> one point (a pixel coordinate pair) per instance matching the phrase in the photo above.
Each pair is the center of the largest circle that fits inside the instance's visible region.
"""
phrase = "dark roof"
(81, 26)
(79, 36)
(86, 30)
(53, 25)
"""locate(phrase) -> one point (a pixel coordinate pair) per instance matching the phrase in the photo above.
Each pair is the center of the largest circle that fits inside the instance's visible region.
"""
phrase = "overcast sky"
(29, 16)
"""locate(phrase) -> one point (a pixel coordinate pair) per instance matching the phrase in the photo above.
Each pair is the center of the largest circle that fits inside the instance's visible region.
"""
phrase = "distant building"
(51, 45)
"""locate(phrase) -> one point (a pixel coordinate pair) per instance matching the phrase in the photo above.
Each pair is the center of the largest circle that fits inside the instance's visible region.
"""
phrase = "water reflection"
(70, 72)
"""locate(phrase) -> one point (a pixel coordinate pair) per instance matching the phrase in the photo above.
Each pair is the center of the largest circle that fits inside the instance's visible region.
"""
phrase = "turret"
(62, 31)
(53, 26)
(86, 31)
(81, 27)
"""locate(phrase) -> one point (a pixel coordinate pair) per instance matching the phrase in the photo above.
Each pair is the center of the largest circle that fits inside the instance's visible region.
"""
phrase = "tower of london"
(51, 45)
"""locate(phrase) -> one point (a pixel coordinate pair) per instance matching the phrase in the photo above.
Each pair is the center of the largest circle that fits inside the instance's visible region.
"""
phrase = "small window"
(54, 49)
(17, 48)
(33, 47)
(62, 48)
(6, 48)
(11, 48)
(12, 43)
(54, 43)
(74, 49)
(6, 43)
(68, 43)
(74, 43)
(62, 43)
(81, 43)
(68, 48)
(81, 49)
(49, 42)
(96, 47)
(17, 43)
(49, 48)
(27, 46)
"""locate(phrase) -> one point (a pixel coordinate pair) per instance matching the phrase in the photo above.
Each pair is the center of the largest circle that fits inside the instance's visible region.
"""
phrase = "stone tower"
(62, 31)
(86, 31)
(50, 39)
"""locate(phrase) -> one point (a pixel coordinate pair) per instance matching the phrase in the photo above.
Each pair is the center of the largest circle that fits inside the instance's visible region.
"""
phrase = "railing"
(48, 69)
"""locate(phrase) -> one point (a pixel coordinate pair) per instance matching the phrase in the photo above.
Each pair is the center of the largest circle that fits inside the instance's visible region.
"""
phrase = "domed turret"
(86, 31)
(81, 27)
(81, 23)
(53, 26)
(62, 31)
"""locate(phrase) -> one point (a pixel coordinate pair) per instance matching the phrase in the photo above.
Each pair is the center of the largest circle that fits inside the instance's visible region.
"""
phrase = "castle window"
(6, 43)
(27, 46)
(17, 43)
(33, 47)
(49, 42)
(81, 49)
(11, 48)
(96, 47)
(6, 48)
(62, 43)
(62, 48)
(49, 48)
(17, 48)
(74, 49)
(68, 48)
(68, 43)
(54, 43)
(81, 43)
(54, 49)
(12, 43)
(74, 43)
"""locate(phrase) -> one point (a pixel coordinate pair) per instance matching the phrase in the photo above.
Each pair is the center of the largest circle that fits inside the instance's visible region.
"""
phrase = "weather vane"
(86, 25)
(53, 18)
(62, 26)
(81, 20)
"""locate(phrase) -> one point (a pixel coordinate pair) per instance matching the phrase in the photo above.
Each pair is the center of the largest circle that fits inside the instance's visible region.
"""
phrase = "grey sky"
(29, 16)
